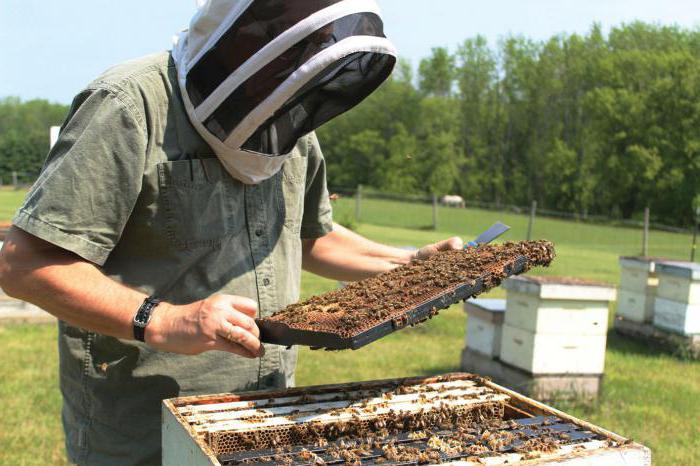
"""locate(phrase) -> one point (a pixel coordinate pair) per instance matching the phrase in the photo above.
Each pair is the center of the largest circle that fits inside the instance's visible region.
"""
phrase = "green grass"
(10, 200)
(649, 396)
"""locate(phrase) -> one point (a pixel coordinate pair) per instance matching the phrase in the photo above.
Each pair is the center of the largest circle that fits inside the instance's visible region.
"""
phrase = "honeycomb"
(288, 421)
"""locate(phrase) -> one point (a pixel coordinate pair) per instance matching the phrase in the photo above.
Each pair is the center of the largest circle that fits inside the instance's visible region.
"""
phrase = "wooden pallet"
(687, 346)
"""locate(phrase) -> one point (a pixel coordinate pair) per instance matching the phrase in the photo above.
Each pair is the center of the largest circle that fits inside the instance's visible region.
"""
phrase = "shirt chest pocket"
(202, 204)
(292, 191)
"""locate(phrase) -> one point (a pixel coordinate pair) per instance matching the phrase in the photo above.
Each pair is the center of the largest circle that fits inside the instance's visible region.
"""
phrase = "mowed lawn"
(10, 200)
(649, 396)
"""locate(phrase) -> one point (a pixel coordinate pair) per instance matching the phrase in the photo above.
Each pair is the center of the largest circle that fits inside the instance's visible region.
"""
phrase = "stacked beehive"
(556, 325)
(547, 339)
(638, 285)
(677, 304)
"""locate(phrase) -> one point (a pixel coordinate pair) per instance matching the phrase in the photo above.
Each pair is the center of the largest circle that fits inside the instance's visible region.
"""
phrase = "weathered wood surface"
(180, 445)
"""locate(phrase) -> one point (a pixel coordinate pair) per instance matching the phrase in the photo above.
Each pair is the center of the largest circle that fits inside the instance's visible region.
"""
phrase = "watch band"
(143, 317)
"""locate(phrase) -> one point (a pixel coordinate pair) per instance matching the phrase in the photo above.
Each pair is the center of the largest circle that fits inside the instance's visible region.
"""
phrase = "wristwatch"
(143, 317)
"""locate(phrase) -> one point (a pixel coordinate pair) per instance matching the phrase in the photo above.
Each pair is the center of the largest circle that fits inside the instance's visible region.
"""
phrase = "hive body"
(478, 421)
(485, 325)
(556, 325)
(638, 288)
(677, 305)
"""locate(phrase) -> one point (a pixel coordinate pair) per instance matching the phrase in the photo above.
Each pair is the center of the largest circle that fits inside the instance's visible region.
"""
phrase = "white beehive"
(679, 281)
(556, 325)
(636, 273)
(677, 317)
(638, 284)
(484, 325)
(677, 305)
(332, 421)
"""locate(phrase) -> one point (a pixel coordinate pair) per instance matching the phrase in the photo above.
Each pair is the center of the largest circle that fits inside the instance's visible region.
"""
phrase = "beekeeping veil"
(256, 75)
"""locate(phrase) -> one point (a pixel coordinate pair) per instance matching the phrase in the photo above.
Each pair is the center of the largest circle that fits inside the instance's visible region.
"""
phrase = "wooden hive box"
(638, 284)
(637, 273)
(677, 317)
(484, 325)
(228, 430)
(556, 325)
(677, 305)
(679, 281)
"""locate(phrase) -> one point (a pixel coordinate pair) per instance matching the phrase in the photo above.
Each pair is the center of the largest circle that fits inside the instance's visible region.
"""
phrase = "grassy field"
(649, 396)
(10, 200)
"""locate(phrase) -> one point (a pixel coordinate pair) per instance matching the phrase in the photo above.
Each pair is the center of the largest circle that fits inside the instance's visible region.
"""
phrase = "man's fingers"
(222, 344)
(444, 245)
(243, 338)
(450, 244)
(245, 305)
(243, 321)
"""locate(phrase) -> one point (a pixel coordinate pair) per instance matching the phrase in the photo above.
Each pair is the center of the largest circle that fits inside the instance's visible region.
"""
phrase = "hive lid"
(490, 310)
(563, 288)
(643, 263)
(690, 270)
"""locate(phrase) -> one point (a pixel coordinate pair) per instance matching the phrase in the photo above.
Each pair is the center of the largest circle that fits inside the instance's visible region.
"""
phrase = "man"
(183, 197)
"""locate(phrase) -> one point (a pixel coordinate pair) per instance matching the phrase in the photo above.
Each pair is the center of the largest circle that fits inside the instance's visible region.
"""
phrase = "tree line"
(604, 124)
(595, 124)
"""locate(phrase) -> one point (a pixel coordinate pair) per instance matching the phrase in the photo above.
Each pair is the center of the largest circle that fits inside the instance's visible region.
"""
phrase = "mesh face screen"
(259, 25)
(339, 88)
(355, 77)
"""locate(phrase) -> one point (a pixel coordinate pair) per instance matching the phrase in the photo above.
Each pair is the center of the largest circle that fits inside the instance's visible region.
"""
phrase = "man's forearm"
(77, 292)
(66, 286)
(345, 255)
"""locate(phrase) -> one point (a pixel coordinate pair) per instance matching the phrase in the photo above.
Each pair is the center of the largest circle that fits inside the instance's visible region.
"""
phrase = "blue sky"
(51, 48)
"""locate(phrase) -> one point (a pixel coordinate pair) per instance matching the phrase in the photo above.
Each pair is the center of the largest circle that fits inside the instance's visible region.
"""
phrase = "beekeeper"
(185, 194)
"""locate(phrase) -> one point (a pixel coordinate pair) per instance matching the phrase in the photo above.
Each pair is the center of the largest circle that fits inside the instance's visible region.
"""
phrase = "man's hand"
(345, 255)
(432, 249)
(220, 322)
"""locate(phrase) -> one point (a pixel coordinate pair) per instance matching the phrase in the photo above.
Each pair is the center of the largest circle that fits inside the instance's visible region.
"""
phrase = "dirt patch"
(390, 296)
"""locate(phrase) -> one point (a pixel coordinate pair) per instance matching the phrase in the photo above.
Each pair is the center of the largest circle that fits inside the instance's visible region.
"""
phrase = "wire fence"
(465, 217)
(17, 179)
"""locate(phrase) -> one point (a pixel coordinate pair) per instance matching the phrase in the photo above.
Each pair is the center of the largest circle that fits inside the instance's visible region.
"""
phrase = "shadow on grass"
(635, 346)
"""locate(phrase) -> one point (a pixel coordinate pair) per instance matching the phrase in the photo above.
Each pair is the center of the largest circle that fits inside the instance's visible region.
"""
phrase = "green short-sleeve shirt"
(132, 187)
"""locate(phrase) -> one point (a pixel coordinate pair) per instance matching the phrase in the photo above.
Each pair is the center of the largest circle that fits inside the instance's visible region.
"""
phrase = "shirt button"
(258, 232)
(266, 281)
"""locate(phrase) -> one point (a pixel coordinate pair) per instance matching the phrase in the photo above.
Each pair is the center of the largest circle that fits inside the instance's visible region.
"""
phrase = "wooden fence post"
(435, 211)
(531, 223)
(645, 233)
(358, 201)
(695, 234)
(14, 179)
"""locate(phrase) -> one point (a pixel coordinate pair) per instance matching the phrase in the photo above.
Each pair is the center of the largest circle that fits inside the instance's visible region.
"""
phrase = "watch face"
(141, 319)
